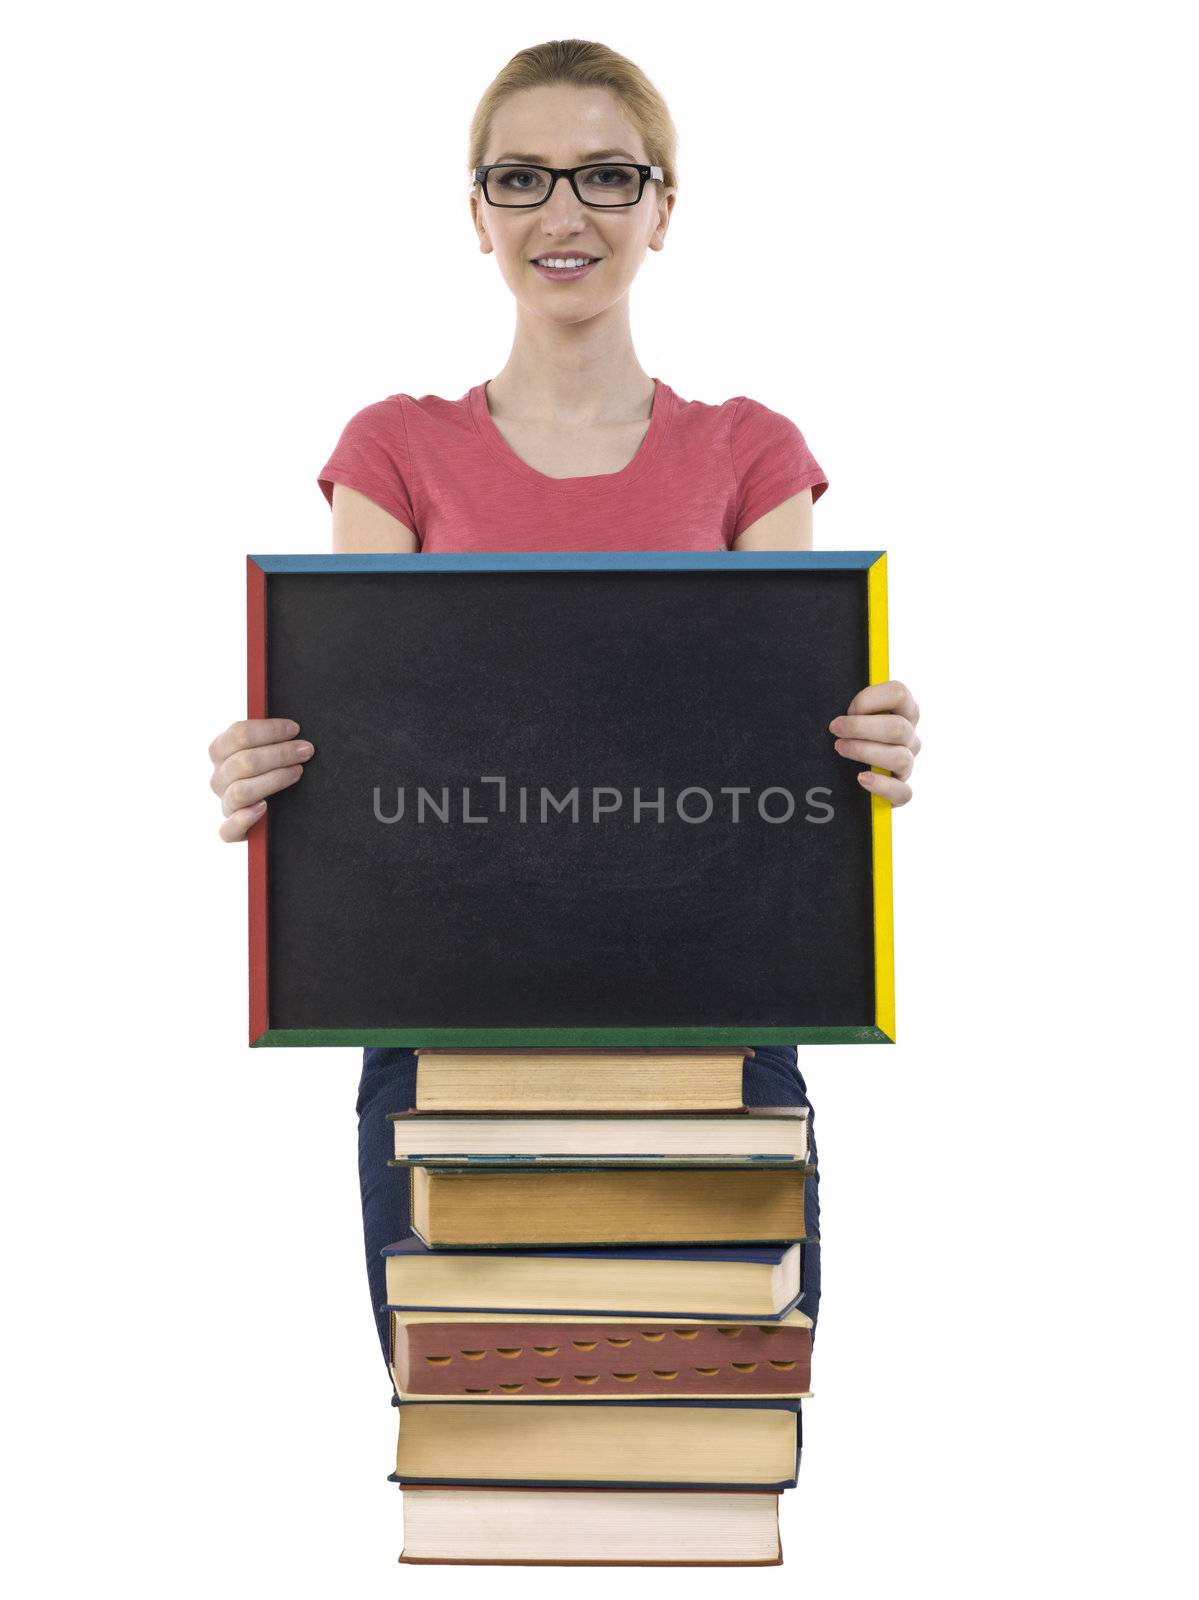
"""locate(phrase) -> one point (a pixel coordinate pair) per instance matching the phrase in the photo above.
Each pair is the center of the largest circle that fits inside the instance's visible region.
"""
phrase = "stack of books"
(597, 1341)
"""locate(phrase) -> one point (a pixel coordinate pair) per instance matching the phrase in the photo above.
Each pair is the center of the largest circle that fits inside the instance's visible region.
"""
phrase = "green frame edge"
(509, 1038)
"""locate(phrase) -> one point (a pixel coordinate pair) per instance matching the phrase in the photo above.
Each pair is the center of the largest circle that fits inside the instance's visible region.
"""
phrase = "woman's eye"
(609, 178)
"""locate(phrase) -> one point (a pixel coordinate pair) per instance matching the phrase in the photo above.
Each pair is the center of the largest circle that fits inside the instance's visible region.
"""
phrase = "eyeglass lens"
(599, 186)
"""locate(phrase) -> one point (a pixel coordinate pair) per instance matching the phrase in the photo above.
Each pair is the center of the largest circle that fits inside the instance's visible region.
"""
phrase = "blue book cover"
(767, 1254)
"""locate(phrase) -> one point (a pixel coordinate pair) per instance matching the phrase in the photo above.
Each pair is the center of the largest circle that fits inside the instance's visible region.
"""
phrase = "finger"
(892, 789)
(896, 758)
(889, 696)
(239, 824)
(251, 731)
(256, 760)
(883, 728)
(247, 791)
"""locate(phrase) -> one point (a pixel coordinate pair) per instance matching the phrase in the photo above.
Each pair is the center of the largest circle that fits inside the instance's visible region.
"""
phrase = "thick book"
(631, 1079)
(737, 1282)
(764, 1134)
(489, 1207)
(435, 1356)
(590, 1527)
(666, 1444)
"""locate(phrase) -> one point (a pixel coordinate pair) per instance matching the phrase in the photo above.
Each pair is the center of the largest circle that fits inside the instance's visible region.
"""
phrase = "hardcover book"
(738, 1282)
(775, 1134)
(590, 1527)
(621, 1079)
(666, 1444)
(485, 1207)
(551, 1358)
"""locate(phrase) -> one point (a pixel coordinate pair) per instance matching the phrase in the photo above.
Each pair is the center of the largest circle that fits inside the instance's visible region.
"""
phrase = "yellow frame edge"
(880, 815)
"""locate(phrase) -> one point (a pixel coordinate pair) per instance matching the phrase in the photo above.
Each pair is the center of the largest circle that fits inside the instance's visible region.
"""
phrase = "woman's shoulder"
(382, 445)
(401, 428)
(761, 439)
(740, 417)
(738, 411)
(402, 410)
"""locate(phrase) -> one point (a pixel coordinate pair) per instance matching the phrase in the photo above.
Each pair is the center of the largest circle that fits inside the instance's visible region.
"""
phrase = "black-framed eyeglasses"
(601, 183)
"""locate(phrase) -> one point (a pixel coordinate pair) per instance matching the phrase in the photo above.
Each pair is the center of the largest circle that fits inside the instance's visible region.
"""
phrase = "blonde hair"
(589, 66)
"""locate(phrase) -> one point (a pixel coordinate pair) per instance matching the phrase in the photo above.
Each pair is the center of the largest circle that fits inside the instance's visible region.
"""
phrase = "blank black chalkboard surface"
(569, 800)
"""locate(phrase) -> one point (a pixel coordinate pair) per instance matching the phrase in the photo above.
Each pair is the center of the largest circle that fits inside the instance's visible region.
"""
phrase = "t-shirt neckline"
(596, 483)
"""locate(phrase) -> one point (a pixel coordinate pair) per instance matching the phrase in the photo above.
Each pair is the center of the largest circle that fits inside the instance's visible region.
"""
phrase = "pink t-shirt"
(702, 475)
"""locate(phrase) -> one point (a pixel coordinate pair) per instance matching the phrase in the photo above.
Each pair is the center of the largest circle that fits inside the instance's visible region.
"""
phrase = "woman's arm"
(787, 527)
(360, 527)
(252, 759)
(879, 725)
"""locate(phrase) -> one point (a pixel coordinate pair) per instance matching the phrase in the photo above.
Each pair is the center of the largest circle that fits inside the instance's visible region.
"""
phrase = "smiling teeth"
(569, 261)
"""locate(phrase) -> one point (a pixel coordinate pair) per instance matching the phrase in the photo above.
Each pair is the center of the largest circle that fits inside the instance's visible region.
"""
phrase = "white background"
(953, 244)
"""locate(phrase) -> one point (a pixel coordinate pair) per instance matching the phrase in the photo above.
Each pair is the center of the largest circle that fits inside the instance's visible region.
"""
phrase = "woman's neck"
(584, 379)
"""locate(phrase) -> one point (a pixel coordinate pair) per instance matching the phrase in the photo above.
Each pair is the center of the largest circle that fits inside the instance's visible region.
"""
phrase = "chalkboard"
(575, 800)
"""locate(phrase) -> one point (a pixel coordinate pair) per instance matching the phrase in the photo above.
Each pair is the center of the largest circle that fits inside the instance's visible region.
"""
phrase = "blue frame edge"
(575, 561)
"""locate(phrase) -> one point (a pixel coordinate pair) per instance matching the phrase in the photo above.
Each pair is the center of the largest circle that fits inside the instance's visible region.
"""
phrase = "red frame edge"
(257, 836)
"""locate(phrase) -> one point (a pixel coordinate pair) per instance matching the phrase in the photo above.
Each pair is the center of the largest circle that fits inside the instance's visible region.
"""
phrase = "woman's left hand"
(879, 728)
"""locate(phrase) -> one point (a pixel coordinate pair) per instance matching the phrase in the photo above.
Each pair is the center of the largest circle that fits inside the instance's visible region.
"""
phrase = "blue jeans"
(388, 1083)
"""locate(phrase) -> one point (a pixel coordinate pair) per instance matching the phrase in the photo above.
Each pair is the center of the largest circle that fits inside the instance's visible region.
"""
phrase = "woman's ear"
(665, 207)
(476, 217)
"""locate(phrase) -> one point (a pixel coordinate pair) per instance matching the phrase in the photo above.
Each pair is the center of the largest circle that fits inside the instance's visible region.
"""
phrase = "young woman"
(571, 447)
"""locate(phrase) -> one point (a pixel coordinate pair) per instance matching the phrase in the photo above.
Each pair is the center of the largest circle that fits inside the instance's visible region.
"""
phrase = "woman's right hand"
(251, 760)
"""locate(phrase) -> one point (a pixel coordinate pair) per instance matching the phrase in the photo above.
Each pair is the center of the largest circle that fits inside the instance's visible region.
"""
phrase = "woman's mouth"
(568, 271)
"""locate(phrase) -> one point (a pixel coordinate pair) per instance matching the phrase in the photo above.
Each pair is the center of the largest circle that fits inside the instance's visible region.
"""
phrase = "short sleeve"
(771, 461)
(372, 456)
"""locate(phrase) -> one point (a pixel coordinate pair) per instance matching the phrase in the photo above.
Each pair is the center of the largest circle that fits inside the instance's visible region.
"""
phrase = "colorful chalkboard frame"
(878, 1028)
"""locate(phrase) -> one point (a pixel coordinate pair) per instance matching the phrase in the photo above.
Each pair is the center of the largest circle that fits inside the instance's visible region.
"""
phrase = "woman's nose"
(563, 205)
